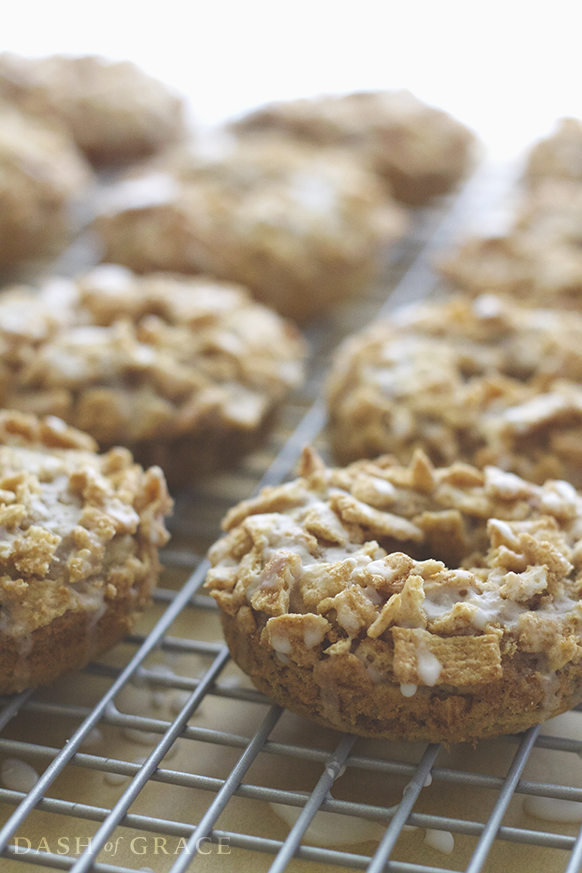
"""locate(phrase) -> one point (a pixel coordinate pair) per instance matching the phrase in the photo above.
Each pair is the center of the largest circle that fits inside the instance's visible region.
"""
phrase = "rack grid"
(161, 756)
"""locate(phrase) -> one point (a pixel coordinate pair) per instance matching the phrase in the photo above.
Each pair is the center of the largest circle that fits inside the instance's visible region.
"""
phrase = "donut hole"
(460, 539)
(451, 550)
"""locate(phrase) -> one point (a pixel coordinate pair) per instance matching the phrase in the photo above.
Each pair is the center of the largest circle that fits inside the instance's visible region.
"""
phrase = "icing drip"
(408, 690)
(18, 775)
(442, 841)
(428, 667)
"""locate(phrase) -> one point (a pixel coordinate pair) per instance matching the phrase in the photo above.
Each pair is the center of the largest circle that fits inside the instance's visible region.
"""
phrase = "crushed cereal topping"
(483, 382)
(79, 529)
(431, 576)
(144, 360)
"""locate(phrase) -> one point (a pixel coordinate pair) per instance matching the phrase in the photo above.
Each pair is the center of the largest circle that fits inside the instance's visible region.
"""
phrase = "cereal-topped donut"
(416, 150)
(113, 110)
(78, 550)
(410, 603)
(302, 228)
(42, 177)
(538, 261)
(484, 381)
(186, 372)
(558, 156)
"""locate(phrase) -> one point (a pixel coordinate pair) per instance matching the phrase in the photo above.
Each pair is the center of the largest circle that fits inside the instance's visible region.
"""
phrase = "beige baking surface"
(466, 781)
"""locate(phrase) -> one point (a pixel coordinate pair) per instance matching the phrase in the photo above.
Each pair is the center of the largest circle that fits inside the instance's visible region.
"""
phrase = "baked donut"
(300, 227)
(558, 156)
(114, 111)
(42, 176)
(484, 381)
(412, 603)
(186, 372)
(79, 547)
(417, 151)
(539, 261)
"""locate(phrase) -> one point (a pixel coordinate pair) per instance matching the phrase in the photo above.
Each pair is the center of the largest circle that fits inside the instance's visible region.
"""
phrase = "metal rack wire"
(220, 762)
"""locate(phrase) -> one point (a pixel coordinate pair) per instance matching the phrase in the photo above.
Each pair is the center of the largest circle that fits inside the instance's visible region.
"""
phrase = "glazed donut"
(539, 260)
(417, 151)
(558, 156)
(483, 381)
(302, 228)
(79, 548)
(114, 111)
(412, 603)
(186, 372)
(42, 175)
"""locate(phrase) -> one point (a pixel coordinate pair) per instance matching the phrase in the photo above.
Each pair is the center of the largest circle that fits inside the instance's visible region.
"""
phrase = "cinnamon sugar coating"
(416, 150)
(185, 372)
(113, 111)
(79, 548)
(300, 227)
(407, 602)
(483, 381)
(41, 176)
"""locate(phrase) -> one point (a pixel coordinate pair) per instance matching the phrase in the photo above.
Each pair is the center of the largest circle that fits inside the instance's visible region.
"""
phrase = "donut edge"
(342, 696)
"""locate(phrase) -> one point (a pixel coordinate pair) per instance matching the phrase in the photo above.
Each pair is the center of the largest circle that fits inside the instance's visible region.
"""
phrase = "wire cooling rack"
(161, 756)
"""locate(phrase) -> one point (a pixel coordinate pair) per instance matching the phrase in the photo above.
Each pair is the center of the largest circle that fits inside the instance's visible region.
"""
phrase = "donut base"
(338, 693)
(65, 645)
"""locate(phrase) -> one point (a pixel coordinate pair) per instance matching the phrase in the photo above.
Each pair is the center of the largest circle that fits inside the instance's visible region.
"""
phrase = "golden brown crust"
(187, 372)
(484, 381)
(79, 548)
(302, 228)
(407, 602)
